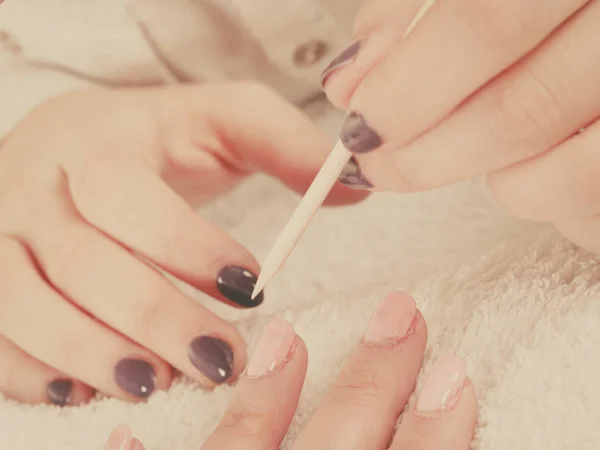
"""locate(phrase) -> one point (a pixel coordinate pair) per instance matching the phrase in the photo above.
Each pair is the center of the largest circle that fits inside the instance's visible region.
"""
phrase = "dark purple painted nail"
(59, 392)
(345, 58)
(135, 376)
(237, 283)
(352, 176)
(213, 357)
(358, 135)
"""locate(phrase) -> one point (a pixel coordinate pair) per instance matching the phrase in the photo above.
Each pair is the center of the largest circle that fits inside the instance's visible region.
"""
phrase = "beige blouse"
(48, 47)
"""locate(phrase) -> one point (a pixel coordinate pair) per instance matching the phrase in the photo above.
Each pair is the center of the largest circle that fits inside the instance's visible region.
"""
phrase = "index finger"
(455, 49)
(379, 26)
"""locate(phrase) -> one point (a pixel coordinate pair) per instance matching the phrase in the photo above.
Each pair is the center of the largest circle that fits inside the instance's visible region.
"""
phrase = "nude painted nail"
(343, 59)
(137, 445)
(392, 320)
(353, 177)
(443, 386)
(120, 439)
(358, 135)
(273, 348)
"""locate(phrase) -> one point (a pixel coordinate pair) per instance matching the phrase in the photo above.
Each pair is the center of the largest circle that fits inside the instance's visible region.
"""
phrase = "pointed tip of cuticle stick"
(297, 224)
(257, 290)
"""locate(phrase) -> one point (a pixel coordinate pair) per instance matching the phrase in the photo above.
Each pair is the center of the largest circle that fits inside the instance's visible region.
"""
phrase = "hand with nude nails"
(444, 91)
(96, 191)
(362, 407)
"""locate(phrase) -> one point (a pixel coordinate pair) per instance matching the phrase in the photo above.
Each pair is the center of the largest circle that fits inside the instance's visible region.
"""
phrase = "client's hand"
(362, 407)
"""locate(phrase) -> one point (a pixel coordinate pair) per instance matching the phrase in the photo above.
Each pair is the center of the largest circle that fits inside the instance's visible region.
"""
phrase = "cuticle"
(392, 343)
(279, 367)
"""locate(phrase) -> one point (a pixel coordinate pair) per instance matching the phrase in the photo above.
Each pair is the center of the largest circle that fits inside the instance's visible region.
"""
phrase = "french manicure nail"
(273, 348)
(352, 176)
(237, 283)
(392, 320)
(358, 135)
(135, 376)
(345, 58)
(59, 392)
(212, 357)
(443, 386)
(120, 439)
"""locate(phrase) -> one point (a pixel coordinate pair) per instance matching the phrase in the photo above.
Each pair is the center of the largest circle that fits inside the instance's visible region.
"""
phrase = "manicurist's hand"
(95, 190)
(362, 407)
(492, 87)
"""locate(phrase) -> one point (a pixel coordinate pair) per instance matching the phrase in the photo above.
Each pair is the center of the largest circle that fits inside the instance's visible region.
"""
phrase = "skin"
(359, 412)
(493, 88)
(96, 185)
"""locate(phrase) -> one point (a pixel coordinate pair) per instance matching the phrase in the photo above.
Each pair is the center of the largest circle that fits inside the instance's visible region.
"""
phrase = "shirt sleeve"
(23, 87)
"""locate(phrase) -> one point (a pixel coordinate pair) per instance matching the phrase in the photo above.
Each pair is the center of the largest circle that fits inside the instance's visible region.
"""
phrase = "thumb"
(379, 26)
(252, 128)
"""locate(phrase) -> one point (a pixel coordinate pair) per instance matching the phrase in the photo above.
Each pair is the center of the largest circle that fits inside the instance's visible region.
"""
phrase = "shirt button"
(310, 53)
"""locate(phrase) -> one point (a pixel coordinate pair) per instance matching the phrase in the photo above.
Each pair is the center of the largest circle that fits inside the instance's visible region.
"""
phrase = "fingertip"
(301, 354)
(164, 375)
(137, 445)
(119, 439)
(469, 399)
(240, 355)
(339, 86)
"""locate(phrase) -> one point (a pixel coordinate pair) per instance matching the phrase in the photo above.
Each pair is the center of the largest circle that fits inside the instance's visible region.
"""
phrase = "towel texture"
(518, 303)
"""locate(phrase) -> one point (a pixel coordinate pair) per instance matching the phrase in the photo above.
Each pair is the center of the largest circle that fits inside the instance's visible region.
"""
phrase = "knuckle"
(68, 256)
(409, 177)
(69, 349)
(526, 109)
(246, 422)
(88, 183)
(362, 387)
(174, 243)
(148, 315)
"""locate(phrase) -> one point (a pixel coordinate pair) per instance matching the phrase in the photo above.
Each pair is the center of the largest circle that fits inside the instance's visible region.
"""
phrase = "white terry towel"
(519, 304)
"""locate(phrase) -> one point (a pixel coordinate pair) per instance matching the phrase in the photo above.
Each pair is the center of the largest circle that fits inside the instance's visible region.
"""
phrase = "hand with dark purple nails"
(88, 283)
(443, 92)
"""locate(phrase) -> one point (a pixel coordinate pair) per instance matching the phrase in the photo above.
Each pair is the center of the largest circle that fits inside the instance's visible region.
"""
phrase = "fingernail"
(345, 58)
(237, 283)
(352, 176)
(392, 320)
(120, 439)
(59, 392)
(272, 349)
(358, 135)
(135, 376)
(137, 445)
(443, 386)
(213, 357)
